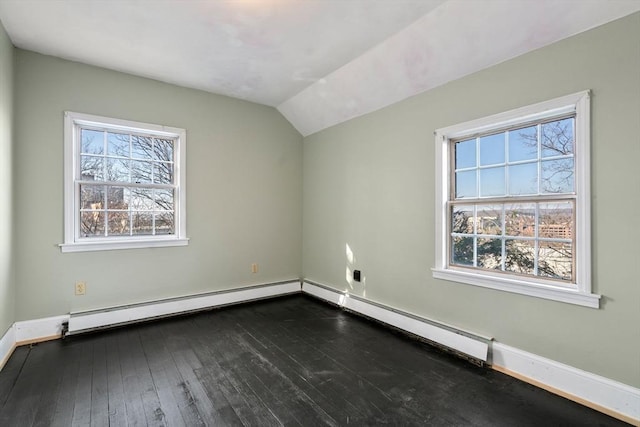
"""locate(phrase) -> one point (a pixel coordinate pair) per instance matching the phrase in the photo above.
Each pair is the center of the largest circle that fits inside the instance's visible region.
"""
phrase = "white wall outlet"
(254, 268)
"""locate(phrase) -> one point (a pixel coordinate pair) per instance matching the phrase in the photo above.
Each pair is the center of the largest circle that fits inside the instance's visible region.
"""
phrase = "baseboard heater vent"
(470, 346)
(92, 320)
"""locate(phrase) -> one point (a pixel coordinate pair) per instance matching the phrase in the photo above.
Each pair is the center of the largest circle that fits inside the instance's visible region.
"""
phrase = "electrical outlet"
(254, 268)
(81, 288)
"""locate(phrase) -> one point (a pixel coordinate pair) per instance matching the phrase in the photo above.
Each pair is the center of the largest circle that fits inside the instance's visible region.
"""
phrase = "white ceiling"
(320, 62)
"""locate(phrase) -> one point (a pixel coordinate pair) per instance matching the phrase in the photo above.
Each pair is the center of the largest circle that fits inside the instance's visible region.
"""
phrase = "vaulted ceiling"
(320, 62)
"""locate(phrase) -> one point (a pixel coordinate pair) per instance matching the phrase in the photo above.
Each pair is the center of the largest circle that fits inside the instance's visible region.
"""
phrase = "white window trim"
(579, 294)
(71, 212)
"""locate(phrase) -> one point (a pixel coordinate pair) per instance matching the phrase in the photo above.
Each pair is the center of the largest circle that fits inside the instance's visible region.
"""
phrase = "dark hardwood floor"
(285, 361)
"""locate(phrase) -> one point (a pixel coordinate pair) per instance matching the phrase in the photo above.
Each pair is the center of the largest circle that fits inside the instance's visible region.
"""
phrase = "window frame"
(578, 293)
(73, 242)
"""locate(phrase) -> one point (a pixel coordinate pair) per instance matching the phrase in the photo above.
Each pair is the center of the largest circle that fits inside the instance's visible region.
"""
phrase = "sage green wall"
(7, 294)
(369, 183)
(244, 191)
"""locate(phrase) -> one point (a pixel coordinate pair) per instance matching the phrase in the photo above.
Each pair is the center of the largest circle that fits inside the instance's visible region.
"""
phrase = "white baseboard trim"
(611, 397)
(30, 331)
(94, 319)
(7, 345)
(463, 341)
(37, 330)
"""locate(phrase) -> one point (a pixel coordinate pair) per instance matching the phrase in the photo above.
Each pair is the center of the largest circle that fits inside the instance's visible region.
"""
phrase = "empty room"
(319, 212)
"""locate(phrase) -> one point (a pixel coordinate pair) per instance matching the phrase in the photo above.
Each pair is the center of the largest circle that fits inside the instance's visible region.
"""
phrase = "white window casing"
(74, 241)
(578, 292)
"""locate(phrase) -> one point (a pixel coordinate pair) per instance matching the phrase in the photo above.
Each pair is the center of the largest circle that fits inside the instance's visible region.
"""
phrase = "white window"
(513, 204)
(124, 184)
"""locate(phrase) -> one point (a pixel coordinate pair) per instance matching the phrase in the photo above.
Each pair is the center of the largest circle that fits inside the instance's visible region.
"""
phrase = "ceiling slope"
(320, 62)
(263, 51)
(456, 39)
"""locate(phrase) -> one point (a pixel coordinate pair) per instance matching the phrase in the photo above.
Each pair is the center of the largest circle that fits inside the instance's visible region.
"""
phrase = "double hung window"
(513, 201)
(124, 184)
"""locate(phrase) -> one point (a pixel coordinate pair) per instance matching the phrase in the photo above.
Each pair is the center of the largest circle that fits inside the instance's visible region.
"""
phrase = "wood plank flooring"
(290, 361)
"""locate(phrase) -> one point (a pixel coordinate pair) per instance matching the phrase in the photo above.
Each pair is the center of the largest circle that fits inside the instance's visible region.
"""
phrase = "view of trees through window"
(513, 207)
(126, 184)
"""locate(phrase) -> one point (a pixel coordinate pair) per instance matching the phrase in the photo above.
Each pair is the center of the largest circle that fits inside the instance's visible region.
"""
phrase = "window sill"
(514, 285)
(128, 244)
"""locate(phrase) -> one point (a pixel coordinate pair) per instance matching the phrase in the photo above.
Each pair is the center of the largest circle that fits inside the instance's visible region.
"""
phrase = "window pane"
(554, 260)
(118, 170)
(92, 197)
(462, 219)
(557, 176)
(164, 200)
(142, 199)
(92, 141)
(142, 223)
(118, 223)
(141, 147)
(164, 223)
(557, 138)
(492, 149)
(163, 173)
(466, 154)
(555, 220)
(492, 182)
(91, 168)
(462, 251)
(490, 253)
(523, 144)
(92, 224)
(489, 220)
(118, 144)
(523, 179)
(163, 150)
(466, 184)
(520, 256)
(520, 219)
(140, 172)
(117, 198)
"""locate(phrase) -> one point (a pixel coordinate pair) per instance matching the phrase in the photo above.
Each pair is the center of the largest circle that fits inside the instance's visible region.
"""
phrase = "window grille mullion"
(536, 245)
(153, 212)
(506, 163)
(104, 211)
(478, 166)
(539, 153)
(503, 239)
(153, 164)
(475, 236)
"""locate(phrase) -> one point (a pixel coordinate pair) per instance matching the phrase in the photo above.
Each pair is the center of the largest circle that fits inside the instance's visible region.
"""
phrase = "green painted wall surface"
(369, 184)
(244, 191)
(7, 289)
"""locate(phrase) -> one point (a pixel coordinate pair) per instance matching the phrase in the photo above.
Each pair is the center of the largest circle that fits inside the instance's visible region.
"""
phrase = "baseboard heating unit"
(468, 344)
(86, 321)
